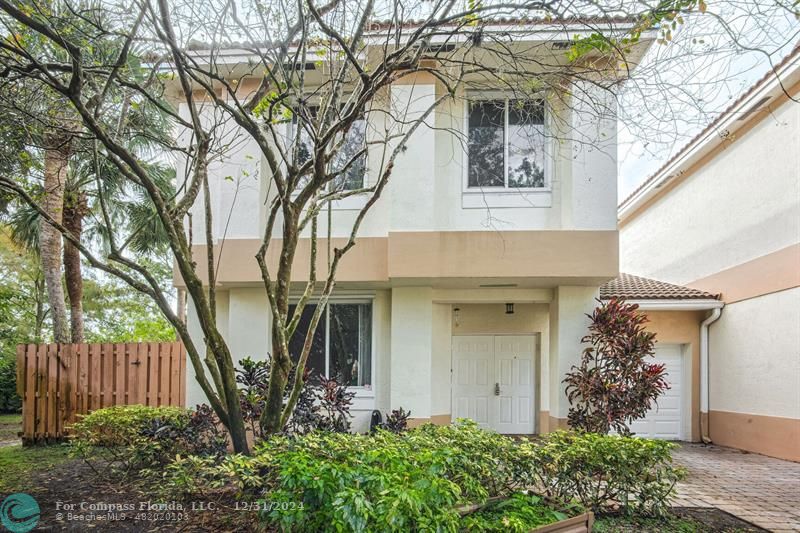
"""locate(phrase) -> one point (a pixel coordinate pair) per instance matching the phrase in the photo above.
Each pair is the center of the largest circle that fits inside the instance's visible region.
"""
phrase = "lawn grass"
(10, 425)
(18, 462)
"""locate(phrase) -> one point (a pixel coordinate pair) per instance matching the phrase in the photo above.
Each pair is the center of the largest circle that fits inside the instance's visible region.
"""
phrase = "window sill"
(362, 392)
(498, 199)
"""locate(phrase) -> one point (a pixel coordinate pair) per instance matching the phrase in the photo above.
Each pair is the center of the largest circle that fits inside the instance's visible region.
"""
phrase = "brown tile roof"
(768, 76)
(632, 287)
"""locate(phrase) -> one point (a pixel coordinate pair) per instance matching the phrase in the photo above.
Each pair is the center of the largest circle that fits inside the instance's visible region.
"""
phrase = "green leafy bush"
(605, 472)
(518, 514)
(136, 437)
(425, 478)
(414, 480)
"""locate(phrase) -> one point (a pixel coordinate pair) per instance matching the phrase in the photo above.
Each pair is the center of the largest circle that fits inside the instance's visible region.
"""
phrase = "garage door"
(665, 421)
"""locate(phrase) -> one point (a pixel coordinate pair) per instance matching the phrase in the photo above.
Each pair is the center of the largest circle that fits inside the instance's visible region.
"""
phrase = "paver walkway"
(756, 488)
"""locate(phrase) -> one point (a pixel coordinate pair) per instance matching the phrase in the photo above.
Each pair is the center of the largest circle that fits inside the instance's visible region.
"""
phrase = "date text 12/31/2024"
(268, 506)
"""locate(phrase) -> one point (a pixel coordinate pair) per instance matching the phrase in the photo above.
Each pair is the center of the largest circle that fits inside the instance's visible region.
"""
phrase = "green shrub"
(422, 478)
(123, 425)
(383, 482)
(605, 472)
(518, 514)
(136, 437)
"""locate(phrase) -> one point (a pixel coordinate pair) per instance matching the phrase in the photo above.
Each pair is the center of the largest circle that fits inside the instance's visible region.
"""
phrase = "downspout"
(704, 430)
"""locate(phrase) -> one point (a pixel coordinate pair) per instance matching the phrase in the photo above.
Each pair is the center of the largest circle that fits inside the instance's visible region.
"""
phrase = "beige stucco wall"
(755, 375)
(441, 360)
(568, 323)
(743, 203)
(413, 328)
(426, 191)
(767, 361)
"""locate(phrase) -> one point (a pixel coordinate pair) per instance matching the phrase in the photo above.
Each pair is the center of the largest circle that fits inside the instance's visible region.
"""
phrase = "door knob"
(497, 389)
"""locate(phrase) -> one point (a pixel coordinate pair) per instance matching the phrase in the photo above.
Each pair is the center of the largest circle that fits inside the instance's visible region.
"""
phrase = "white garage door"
(665, 421)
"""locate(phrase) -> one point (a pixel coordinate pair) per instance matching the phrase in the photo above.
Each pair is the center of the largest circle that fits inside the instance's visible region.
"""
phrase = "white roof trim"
(677, 305)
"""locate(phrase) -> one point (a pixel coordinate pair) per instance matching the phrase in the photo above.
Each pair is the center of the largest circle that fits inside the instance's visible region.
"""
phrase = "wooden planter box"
(577, 524)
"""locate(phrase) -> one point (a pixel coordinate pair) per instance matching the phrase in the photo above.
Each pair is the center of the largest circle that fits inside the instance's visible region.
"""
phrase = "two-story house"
(466, 293)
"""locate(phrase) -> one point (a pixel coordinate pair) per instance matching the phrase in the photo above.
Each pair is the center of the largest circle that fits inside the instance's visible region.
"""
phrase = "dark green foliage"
(396, 421)
(333, 402)
(129, 438)
(323, 404)
(518, 514)
(614, 384)
(425, 478)
(383, 482)
(202, 435)
(10, 402)
(605, 472)
(22, 312)
(252, 378)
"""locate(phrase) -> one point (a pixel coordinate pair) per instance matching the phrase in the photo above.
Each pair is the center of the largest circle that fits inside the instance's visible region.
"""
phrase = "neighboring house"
(723, 216)
(463, 297)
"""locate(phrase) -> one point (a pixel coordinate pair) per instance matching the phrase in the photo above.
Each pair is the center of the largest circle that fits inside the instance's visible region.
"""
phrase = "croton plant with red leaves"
(614, 384)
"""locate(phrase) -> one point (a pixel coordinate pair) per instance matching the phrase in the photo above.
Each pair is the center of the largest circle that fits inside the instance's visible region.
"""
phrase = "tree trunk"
(76, 208)
(280, 367)
(281, 364)
(56, 158)
(40, 296)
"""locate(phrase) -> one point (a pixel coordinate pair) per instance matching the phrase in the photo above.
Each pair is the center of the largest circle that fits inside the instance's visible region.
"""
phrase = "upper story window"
(342, 346)
(354, 141)
(506, 144)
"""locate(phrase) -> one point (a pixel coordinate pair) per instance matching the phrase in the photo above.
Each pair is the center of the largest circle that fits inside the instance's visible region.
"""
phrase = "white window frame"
(360, 390)
(482, 197)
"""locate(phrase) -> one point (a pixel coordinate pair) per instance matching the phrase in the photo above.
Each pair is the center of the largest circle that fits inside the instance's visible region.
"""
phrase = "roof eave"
(675, 304)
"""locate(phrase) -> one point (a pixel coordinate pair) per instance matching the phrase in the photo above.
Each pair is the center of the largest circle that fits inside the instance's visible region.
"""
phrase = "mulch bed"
(75, 483)
(717, 519)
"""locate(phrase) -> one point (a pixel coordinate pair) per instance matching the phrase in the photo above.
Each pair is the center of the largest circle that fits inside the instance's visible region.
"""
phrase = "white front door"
(493, 381)
(472, 378)
(665, 420)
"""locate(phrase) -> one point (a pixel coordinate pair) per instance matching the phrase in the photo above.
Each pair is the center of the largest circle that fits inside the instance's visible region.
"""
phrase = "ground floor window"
(342, 347)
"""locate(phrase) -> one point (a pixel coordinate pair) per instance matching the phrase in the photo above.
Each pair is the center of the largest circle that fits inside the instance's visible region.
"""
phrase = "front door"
(493, 381)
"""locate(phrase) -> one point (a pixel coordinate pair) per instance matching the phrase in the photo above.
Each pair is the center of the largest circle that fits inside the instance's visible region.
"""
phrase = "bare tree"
(308, 124)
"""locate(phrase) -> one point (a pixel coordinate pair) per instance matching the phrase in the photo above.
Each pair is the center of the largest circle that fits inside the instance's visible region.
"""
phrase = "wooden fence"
(57, 382)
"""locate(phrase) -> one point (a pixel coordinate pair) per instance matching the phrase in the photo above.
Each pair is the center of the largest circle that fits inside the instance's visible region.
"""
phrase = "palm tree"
(69, 166)
(57, 151)
(83, 216)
